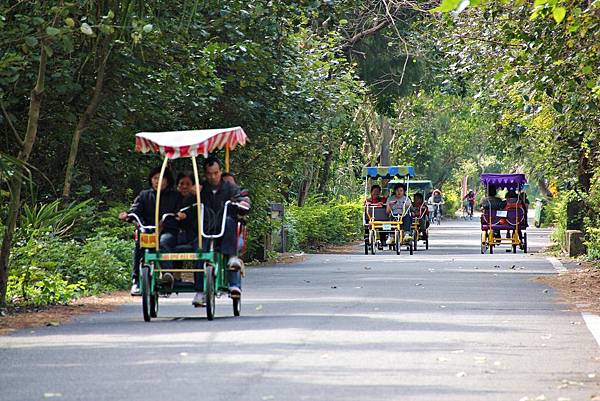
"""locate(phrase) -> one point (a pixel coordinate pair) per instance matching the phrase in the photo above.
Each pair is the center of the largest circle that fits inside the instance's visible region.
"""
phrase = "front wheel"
(397, 241)
(525, 242)
(410, 247)
(146, 295)
(237, 306)
(209, 291)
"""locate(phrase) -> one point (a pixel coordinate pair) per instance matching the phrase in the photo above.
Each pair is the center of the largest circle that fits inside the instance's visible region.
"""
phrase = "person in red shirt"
(376, 198)
(421, 211)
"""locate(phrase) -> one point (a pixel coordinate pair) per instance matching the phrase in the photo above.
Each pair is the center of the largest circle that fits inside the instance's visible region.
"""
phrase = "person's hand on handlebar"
(123, 216)
(180, 216)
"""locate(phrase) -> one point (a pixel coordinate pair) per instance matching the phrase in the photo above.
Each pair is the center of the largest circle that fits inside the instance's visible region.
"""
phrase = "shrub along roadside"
(316, 224)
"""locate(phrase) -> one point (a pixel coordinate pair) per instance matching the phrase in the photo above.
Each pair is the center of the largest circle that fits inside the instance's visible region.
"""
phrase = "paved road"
(447, 324)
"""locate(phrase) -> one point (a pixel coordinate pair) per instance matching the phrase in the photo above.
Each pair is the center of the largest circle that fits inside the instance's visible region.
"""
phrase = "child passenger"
(398, 204)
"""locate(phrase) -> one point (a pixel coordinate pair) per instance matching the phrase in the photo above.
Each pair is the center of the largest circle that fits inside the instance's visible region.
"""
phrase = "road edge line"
(593, 324)
(557, 264)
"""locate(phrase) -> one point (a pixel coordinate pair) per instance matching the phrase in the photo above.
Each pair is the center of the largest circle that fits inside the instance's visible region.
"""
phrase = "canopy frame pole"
(157, 208)
(227, 158)
(198, 201)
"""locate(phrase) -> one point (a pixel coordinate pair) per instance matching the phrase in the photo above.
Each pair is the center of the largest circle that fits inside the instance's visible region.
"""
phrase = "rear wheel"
(366, 247)
(410, 247)
(415, 239)
(372, 241)
(427, 241)
(397, 241)
(514, 249)
(146, 297)
(209, 291)
(491, 249)
(525, 242)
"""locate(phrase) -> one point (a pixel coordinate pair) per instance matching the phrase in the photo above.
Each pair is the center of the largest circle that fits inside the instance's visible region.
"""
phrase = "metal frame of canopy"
(177, 144)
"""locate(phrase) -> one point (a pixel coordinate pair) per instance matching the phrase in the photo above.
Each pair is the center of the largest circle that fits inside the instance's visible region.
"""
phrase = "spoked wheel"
(209, 290)
(146, 296)
(237, 306)
(397, 241)
(525, 242)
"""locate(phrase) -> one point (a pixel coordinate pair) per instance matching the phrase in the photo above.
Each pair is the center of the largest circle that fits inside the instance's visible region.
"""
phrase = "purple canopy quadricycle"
(508, 216)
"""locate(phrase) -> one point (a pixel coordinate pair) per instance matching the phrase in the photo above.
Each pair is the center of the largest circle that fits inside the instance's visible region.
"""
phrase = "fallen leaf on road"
(513, 267)
(53, 324)
(575, 323)
(367, 268)
(546, 291)
(259, 307)
(461, 374)
(418, 284)
(334, 286)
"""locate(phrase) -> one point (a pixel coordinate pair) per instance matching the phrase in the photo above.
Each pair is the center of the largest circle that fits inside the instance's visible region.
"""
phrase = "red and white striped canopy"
(175, 144)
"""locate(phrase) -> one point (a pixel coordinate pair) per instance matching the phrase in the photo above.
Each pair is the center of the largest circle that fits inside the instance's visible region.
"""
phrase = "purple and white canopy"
(509, 181)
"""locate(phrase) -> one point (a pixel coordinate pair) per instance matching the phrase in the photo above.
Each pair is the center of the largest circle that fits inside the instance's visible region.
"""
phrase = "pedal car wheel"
(209, 291)
(397, 241)
(514, 249)
(237, 306)
(410, 247)
(415, 239)
(525, 242)
(366, 247)
(491, 249)
(427, 241)
(154, 305)
(145, 284)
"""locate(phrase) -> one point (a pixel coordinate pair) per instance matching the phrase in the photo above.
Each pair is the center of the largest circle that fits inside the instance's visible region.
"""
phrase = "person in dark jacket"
(144, 207)
(214, 193)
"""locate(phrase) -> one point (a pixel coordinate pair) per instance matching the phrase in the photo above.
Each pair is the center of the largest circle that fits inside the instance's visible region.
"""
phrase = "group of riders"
(399, 204)
(180, 226)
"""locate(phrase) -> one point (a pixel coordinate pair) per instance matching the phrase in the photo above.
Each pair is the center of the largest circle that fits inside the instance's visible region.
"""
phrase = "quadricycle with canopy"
(211, 263)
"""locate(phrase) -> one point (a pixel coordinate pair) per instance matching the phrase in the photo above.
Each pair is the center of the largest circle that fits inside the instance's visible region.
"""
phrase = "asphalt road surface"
(445, 324)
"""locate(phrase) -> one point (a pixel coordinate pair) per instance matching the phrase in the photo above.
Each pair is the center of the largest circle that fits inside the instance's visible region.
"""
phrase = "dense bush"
(316, 224)
(49, 270)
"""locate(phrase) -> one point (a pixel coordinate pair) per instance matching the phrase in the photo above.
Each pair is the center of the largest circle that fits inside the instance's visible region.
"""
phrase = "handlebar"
(138, 221)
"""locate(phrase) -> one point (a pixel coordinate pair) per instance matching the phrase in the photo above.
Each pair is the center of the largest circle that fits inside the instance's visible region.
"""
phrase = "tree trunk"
(82, 125)
(325, 172)
(16, 182)
(386, 133)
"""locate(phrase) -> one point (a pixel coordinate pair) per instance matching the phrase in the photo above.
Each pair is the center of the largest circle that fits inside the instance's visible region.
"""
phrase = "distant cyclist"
(436, 200)
(470, 202)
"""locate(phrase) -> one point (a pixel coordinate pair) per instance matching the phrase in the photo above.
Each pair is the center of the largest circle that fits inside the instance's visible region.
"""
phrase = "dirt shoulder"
(17, 318)
(579, 286)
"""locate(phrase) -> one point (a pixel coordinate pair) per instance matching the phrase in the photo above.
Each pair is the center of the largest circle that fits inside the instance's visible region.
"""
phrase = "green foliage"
(316, 224)
(53, 218)
(50, 270)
